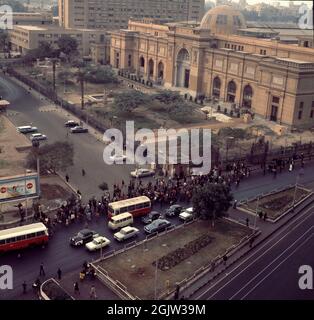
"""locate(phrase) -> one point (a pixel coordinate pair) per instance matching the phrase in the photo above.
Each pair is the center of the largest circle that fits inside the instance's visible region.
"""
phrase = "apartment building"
(25, 38)
(115, 14)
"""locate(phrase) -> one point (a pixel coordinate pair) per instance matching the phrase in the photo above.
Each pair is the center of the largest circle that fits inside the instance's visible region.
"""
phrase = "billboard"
(19, 187)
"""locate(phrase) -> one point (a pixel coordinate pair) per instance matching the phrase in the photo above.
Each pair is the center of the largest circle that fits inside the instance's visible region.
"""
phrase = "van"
(120, 221)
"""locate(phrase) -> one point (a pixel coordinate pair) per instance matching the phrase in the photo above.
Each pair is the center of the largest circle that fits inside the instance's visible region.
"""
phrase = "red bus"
(139, 206)
(23, 237)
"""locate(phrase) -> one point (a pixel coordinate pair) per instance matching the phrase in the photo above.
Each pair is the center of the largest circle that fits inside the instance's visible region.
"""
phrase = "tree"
(129, 100)
(168, 97)
(65, 76)
(53, 157)
(101, 75)
(211, 201)
(81, 78)
(4, 40)
(68, 46)
(44, 50)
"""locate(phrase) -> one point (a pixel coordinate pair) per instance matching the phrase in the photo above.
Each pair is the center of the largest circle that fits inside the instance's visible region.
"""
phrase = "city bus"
(23, 237)
(139, 206)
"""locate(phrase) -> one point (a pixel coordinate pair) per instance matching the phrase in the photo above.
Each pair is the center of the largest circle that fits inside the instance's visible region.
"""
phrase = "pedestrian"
(225, 258)
(83, 172)
(76, 288)
(93, 292)
(265, 216)
(24, 287)
(235, 204)
(42, 270)
(67, 178)
(247, 222)
(59, 273)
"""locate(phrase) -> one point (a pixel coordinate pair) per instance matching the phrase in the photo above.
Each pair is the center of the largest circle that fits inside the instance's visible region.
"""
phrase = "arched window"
(216, 87)
(231, 91)
(160, 70)
(183, 55)
(150, 67)
(142, 62)
(247, 96)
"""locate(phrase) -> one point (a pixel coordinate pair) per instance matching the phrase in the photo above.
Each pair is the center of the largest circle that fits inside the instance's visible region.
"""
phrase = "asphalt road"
(270, 271)
(88, 152)
(88, 155)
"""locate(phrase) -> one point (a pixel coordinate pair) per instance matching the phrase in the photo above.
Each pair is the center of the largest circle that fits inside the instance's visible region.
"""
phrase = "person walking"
(59, 273)
(67, 178)
(76, 288)
(93, 294)
(247, 221)
(24, 285)
(83, 172)
(42, 270)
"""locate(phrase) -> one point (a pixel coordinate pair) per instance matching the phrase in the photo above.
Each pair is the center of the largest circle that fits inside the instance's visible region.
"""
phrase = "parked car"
(118, 158)
(140, 173)
(79, 129)
(187, 214)
(82, 237)
(72, 124)
(153, 215)
(157, 226)
(97, 243)
(126, 233)
(26, 129)
(173, 210)
(38, 137)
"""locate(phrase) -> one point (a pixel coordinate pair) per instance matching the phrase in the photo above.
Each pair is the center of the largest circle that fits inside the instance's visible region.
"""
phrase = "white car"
(126, 233)
(97, 243)
(140, 173)
(118, 158)
(187, 214)
(38, 136)
(27, 129)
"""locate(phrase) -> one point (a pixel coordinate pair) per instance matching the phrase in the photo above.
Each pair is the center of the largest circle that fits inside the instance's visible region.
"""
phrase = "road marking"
(255, 253)
(294, 251)
(278, 257)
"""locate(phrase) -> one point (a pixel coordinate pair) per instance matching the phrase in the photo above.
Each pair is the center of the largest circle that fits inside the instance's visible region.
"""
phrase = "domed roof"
(223, 20)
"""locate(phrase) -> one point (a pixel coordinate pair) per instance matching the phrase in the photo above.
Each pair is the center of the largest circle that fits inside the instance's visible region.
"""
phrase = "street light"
(300, 173)
(256, 214)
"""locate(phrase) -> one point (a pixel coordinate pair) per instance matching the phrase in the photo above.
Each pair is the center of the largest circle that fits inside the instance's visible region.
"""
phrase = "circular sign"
(29, 186)
(3, 190)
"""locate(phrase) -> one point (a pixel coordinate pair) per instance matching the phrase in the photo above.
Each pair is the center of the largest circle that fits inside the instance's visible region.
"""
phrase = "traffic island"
(276, 204)
(51, 290)
(152, 268)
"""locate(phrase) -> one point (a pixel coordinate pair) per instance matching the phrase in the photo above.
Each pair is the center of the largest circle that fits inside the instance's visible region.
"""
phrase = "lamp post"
(296, 186)
(256, 214)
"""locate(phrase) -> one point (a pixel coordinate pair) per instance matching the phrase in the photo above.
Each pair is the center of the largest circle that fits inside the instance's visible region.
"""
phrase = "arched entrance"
(142, 65)
(216, 87)
(183, 69)
(247, 96)
(160, 71)
(150, 68)
(231, 91)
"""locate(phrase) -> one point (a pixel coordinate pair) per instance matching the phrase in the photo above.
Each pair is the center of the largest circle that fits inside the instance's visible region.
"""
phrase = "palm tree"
(80, 78)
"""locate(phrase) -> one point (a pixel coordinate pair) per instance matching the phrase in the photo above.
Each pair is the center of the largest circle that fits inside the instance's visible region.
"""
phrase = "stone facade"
(272, 79)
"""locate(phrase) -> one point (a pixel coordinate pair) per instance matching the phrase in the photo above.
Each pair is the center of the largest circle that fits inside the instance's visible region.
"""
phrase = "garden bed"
(277, 203)
(197, 244)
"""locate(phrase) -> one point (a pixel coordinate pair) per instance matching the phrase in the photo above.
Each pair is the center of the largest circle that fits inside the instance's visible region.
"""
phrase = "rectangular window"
(300, 115)
(312, 113)
(301, 104)
(275, 99)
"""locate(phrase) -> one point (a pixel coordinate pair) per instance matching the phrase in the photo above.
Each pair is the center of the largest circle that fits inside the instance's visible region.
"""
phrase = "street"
(291, 251)
(271, 270)
(88, 152)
